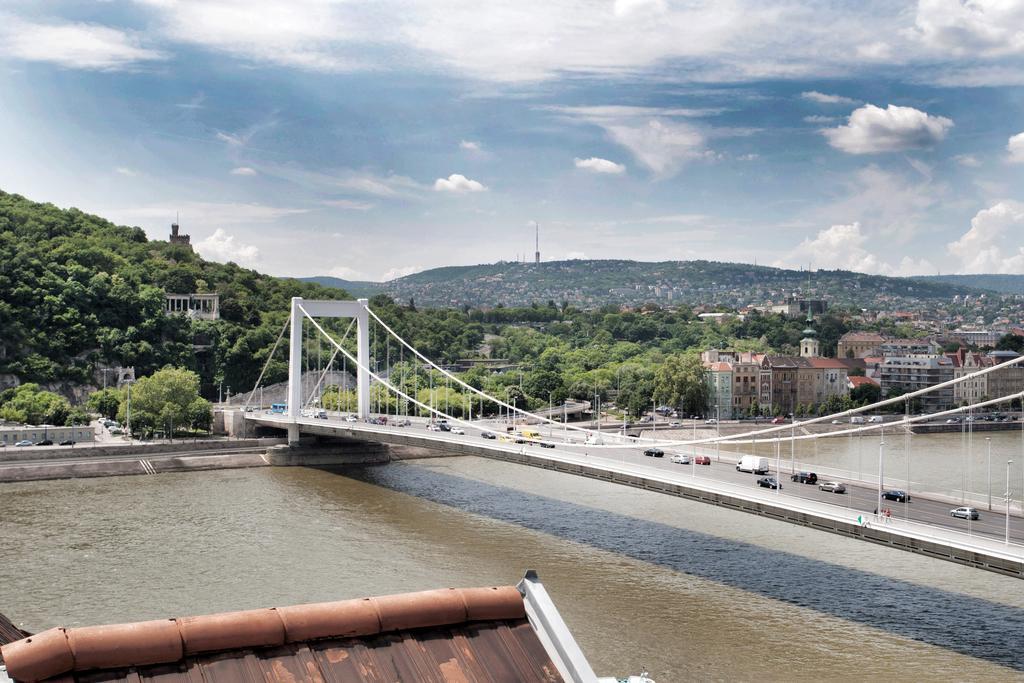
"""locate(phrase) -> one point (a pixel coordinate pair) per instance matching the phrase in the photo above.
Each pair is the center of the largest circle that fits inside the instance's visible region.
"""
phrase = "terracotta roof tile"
(163, 642)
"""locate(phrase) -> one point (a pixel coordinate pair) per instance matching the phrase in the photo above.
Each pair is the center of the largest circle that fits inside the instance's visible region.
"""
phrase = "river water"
(688, 590)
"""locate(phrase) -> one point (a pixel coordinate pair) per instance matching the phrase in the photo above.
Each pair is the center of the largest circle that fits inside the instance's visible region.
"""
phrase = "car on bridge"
(457, 430)
(702, 460)
(897, 495)
(769, 483)
(67, 442)
(351, 418)
(681, 459)
(24, 442)
(45, 442)
(965, 513)
(433, 427)
(546, 444)
(403, 423)
(805, 477)
(654, 453)
(832, 487)
(489, 435)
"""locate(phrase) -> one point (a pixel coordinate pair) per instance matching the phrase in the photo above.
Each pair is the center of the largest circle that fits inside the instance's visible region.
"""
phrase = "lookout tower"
(175, 238)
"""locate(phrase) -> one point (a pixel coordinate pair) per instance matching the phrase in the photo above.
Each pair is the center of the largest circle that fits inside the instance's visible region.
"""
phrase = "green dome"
(809, 332)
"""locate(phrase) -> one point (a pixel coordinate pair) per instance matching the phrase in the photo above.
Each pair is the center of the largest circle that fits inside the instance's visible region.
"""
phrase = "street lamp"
(1007, 498)
(881, 451)
(988, 444)
(128, 411)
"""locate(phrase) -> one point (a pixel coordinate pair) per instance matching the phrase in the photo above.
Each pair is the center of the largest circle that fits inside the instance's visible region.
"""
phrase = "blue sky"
(369, 140)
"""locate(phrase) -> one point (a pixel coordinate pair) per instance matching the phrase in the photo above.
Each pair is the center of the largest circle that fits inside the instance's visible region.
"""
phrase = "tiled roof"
(862, 337)
(9, 632)
(859, 380)
(825, 363)
(472, 634)
(721, 366)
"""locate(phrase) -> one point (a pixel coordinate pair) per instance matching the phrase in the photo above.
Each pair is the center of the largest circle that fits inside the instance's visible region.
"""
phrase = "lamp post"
(551, 410)
(881, 451)
(988, 444)
(1007, 498)
(128, 411)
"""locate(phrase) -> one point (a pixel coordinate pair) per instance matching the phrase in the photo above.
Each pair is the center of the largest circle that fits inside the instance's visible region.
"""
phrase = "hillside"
(591, 283)
(357, 288)
(79, 293)
(1004, 284)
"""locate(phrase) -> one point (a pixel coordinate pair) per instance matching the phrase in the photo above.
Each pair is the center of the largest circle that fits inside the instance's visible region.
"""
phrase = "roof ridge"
(59, 650)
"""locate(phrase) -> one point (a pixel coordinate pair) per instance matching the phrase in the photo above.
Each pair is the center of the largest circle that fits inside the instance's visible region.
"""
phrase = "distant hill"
(357, 288)
(591, 283)
(1004, 284)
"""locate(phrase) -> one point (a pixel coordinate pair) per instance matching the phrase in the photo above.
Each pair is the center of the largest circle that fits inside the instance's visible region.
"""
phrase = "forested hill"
(1005, 284)
(592, 283)
(78, 292)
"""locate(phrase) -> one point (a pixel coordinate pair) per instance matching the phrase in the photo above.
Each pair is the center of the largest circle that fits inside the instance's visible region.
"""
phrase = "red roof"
(471, 634)
(860, 380)
(826, 363)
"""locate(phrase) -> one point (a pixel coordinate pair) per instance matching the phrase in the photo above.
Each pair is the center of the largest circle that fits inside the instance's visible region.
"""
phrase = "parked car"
(489, 435)
(711, 421)
(897, 495)
(875, 418)
(681, 459)
(45, 442)
(116, 431)
(805, 477)
(457, 430)
(702, 460)
(67, 442)
(965, 513)
(654, 453)
(24, 442)
(778, 420)
(675, 424)
(837, 422)
(769, 483)
(833, 487)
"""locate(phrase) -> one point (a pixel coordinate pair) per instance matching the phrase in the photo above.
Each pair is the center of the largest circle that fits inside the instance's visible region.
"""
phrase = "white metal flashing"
(552, 631)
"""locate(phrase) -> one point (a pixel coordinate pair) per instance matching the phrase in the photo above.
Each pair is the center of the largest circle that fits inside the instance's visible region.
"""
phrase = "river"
(688, 590)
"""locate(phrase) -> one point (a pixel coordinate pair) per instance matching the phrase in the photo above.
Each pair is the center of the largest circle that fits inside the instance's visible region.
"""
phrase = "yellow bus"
(529, 433)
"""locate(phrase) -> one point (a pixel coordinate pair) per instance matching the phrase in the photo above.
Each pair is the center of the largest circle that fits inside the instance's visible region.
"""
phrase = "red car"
(702, 460)
(778, 420)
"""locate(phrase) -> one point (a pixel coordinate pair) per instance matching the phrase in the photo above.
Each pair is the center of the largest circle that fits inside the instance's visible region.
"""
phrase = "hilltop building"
(201, 306)
(859, 345)
(175, 238)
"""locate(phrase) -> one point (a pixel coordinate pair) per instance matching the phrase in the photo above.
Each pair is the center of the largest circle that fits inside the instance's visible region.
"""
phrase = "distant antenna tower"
(536, 253)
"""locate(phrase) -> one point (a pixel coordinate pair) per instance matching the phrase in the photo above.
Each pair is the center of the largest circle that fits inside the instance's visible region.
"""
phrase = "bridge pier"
(293, 435)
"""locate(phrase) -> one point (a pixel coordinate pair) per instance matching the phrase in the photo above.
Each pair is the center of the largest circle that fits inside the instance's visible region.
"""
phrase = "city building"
(909, 347)
(977, 338)
(859, 344)
(1001, 382)
(12, 434)
(720, 381)
(202, 306)
(830, 376)
(912, 373)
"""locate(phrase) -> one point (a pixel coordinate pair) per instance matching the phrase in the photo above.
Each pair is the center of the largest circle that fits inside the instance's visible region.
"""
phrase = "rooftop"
(504, 633)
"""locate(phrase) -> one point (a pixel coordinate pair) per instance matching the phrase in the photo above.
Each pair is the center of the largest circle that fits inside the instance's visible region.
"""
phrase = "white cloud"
(823, 98)
(350, 205)
(346, 273)
(598, 165)
(378, 186)
(748, 157)
(125, 171)
(457, 182)
(819, 119)
(623, 7)
(243, 170)
(402, 271)
(470, 146)
(662, 146)
(876, 51)
(872, 130)
(972, 29)
(844, 247)
(220, 246)
(232, 139)
(988, 246)
(968, 160)
(73, 45)
(1015, 146)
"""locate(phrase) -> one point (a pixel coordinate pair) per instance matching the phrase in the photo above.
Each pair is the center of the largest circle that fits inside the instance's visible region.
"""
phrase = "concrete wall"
(147, 449)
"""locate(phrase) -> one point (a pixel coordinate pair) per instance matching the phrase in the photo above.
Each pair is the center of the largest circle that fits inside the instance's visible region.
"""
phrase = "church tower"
(809, 345)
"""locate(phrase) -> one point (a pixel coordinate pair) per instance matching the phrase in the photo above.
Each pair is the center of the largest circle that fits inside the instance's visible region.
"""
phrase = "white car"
(458, 430)
(433, 427)
(680, 459)
(711, 421)
(965, 513)
(351, 418)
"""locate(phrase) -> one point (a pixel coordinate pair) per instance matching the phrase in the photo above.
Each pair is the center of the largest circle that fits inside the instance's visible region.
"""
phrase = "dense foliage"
(165, 401)
(78, 292)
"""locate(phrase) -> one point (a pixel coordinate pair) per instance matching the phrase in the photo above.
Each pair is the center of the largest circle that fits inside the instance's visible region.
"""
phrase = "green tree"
(200, 414)
(681, 381)
(32, 405)
(1011, 342)
(162, 400)
(106, 402)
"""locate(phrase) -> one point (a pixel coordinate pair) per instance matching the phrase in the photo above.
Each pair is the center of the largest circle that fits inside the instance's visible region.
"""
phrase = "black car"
(897, 495)
(654, 453)
(546, 444)
(489, 435)
(805, 477)
(769, 483)
(45, 442)
(66, 442)
(445, 427)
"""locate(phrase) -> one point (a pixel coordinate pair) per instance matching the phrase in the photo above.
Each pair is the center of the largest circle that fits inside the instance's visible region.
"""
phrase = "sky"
(369, 140)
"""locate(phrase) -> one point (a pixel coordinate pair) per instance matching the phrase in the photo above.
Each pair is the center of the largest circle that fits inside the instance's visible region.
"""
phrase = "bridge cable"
(270, 357)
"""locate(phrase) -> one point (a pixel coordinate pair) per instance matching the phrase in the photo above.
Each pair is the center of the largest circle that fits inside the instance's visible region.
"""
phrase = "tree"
(164, 399)
(681, 381)
(1011, 342)
(200, 414)
(106, 402)
(869, 392)
(32, 405)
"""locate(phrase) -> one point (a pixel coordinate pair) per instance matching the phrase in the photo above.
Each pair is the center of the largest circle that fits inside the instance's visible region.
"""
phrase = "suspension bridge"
(388, 406)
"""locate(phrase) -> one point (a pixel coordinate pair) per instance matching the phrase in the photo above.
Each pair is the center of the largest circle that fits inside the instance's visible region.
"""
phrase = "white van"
(752, 463)
(857, 420)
